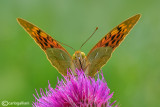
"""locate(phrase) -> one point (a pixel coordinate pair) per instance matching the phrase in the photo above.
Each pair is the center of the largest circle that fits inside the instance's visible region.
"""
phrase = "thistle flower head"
(76, 91)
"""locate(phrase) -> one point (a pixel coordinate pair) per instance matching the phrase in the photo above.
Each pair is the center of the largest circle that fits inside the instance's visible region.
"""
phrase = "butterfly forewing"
(44, 40)
(62, 59)
(112, 40)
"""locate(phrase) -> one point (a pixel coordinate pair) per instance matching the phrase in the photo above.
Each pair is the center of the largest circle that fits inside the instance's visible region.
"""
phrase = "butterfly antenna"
(66, 45)
(89, 37)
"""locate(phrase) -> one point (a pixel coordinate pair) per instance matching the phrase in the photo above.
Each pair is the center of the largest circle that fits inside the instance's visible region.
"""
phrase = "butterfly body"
(79, 60)
(95, 59)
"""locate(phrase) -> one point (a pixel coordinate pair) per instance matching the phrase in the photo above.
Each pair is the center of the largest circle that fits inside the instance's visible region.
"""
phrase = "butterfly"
(95, 59)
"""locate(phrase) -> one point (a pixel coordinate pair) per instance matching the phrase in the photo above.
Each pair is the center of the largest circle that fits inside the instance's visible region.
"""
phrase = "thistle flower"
(76, 91)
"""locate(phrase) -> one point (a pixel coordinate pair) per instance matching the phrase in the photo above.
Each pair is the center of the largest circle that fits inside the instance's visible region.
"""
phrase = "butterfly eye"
(83, 54)
(74, 56)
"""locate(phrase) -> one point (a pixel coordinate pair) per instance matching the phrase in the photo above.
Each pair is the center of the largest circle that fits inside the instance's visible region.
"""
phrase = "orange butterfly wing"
(117, 35)
(57, 55)
(41, 38)
(101, 52)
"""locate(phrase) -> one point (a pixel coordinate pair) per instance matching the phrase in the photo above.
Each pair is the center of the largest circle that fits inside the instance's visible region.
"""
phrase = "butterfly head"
(78, 55)
(79, 60)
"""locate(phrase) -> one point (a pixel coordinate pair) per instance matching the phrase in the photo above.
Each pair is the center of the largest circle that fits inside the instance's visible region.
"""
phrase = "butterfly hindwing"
(112, 40)
(97, 59)
(61, 59)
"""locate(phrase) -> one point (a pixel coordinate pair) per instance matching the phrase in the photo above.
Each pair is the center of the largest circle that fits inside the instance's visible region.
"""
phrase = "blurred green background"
(133, 72)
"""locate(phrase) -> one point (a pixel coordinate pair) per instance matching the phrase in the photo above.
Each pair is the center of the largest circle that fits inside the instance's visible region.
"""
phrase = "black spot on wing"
(51, 46)
(41, 44)
(106, 44)
(105, 37)
(118, 35)
(122, 35)
(40, 38)
(113, 41)
(117, 42)
(45, 39)
(45, 43)
(38, 32)
(113, 37)
(119, 29)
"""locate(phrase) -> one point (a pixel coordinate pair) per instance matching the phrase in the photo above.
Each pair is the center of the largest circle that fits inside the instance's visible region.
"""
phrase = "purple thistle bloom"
(76, 91)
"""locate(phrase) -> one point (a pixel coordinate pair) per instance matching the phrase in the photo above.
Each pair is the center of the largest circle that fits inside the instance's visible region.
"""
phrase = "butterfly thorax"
(79, 60)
